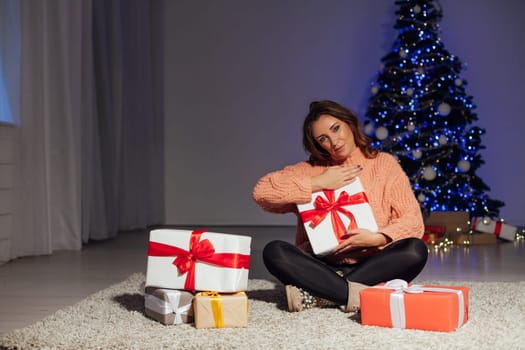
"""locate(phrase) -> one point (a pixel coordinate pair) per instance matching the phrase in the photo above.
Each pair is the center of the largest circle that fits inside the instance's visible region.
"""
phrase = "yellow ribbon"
(216, 306)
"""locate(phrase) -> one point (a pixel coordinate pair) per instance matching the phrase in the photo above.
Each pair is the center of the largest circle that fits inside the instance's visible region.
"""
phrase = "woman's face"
(334, 136)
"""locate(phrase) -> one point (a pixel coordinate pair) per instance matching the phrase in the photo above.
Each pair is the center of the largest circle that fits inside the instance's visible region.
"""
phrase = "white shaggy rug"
(114, 319)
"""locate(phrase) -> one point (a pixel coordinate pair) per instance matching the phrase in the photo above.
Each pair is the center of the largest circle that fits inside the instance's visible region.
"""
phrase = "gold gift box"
(225, 310)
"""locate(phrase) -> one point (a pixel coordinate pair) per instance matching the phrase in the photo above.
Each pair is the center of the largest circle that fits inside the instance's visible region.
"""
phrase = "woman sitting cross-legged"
(339, 152)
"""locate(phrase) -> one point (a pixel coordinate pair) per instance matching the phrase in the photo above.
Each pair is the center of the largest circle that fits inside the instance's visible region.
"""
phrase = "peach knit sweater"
(388, 189)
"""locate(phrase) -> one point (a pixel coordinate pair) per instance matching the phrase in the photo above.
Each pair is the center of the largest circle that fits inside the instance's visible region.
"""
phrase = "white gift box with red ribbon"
(198, 260)
(331, 213)
(499, 228)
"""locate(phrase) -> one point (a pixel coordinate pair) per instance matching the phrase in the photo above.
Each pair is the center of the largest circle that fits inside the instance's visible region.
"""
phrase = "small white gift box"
(332, 212)
(499, 228)
(168, 306)
(198, 260)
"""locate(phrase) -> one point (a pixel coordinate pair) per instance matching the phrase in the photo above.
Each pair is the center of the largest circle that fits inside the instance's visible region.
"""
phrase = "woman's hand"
(335, 177)
(358, 239)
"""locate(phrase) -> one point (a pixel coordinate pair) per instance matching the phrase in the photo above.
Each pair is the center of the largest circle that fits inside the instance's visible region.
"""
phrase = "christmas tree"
(420, 112)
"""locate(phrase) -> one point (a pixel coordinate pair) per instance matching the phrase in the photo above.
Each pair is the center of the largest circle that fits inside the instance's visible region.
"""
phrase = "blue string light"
(419, 97)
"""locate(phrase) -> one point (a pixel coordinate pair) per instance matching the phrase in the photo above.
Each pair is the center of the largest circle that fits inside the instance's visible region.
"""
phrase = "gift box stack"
(331, 213)
(197, 277)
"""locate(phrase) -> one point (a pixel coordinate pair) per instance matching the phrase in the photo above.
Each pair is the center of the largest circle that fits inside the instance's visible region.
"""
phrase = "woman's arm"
(334, 177)
(280, 191)
(406, 219)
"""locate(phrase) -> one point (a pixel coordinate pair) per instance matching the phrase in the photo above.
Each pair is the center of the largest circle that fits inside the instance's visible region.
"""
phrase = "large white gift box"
(499, 228)
(331, 213)
(198, 260)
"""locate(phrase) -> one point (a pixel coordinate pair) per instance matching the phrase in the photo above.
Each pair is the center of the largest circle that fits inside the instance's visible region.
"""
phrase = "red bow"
(198, 250)
(324, 206)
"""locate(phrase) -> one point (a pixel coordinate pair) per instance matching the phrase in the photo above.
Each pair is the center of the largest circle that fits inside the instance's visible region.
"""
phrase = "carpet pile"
(114, 318)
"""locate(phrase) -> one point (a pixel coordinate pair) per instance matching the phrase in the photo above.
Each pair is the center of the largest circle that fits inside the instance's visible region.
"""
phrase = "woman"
(340, 152)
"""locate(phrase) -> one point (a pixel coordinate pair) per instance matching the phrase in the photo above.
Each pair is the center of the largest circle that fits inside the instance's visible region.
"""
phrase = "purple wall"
(240, 75)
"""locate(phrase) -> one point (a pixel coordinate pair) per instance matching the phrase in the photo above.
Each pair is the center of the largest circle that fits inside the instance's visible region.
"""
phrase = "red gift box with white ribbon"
(397, 304)
(198, 260)
(331, 213)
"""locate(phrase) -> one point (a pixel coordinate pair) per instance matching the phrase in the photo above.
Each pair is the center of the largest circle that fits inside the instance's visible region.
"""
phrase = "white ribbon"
(167, 307)
(397, 300)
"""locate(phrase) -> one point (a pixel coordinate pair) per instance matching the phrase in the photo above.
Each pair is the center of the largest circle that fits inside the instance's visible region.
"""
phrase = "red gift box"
(432, 233)
(399, 305)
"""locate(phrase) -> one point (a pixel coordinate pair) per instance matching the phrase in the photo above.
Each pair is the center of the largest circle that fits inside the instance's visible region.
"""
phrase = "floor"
(32, 288)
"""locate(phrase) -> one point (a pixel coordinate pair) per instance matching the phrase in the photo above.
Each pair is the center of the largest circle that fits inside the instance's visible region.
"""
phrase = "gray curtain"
(127, 94)
(89, 155)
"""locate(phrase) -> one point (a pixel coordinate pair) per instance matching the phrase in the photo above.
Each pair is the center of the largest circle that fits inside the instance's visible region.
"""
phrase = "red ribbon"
(324, 206)
(474, 223)
(439, 230)
(497, 229)
(198, 250)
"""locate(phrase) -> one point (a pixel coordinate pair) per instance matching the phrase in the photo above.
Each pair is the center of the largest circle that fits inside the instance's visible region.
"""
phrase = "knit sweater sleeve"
(280, 191)
(405, 213)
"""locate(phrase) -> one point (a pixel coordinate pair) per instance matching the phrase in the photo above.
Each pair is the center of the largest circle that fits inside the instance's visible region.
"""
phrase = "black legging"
(402, 259)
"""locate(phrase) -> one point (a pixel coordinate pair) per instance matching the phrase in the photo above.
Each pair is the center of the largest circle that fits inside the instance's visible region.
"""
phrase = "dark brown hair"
(318, 155)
